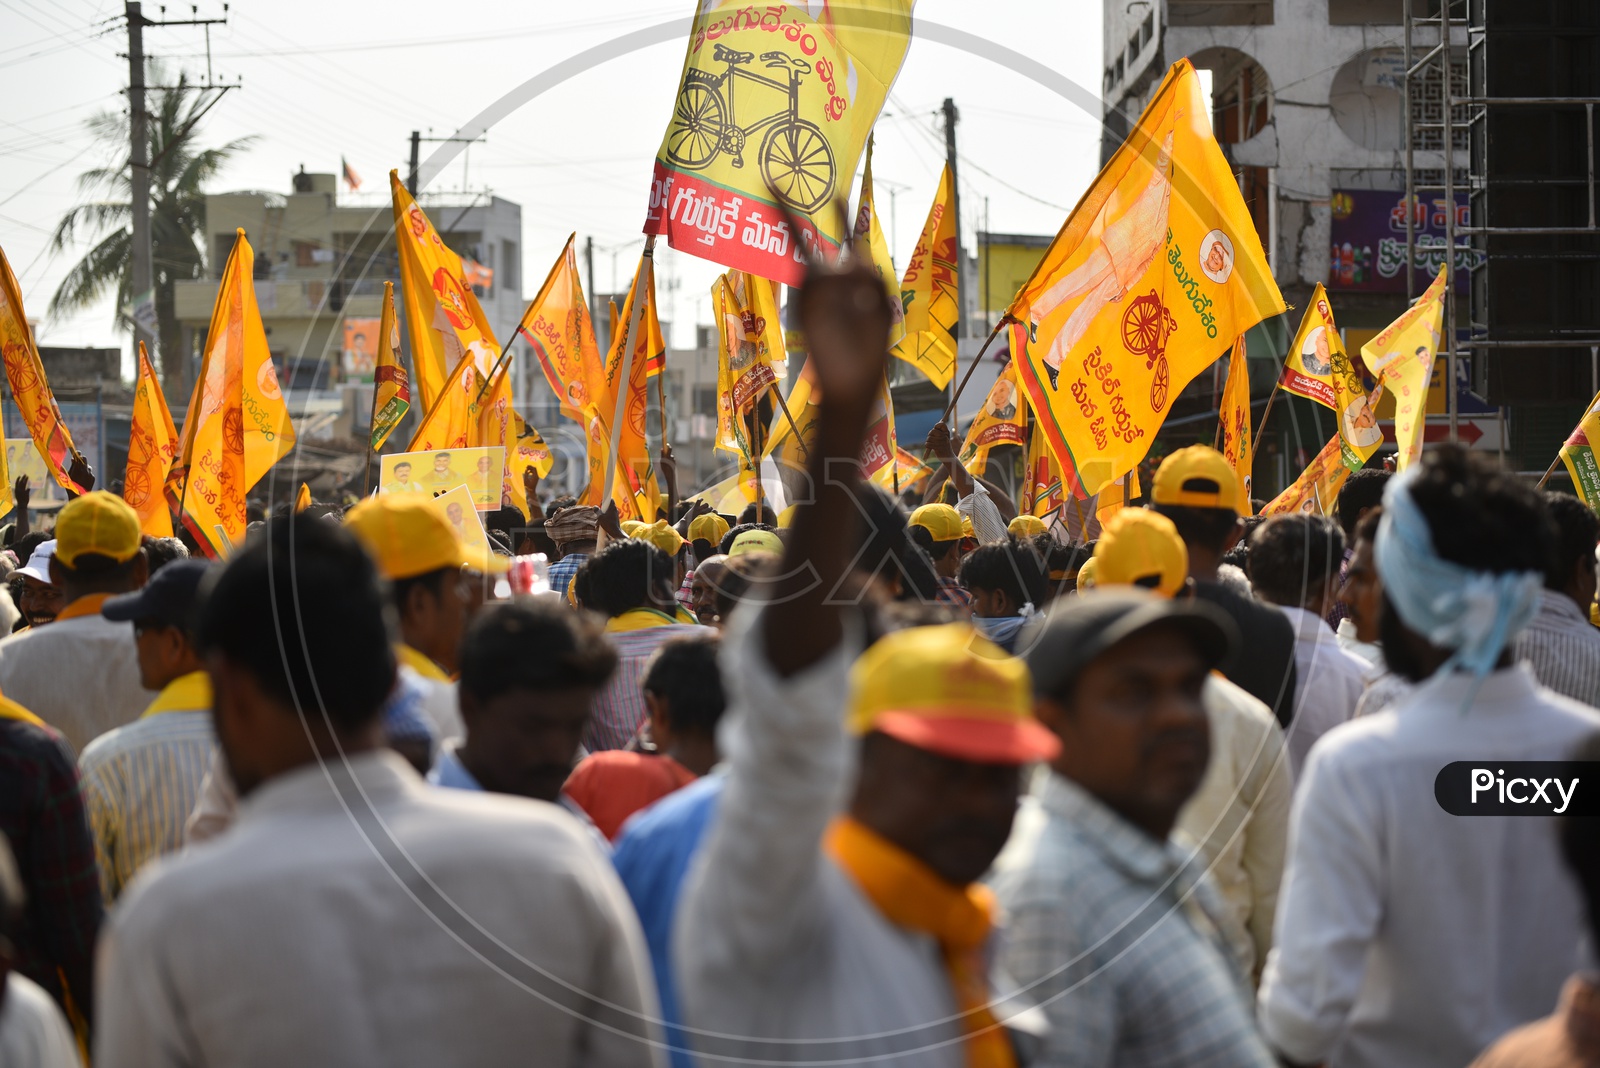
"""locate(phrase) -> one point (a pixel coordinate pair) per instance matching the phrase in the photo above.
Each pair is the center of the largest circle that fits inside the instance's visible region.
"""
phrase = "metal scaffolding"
(1444, 54)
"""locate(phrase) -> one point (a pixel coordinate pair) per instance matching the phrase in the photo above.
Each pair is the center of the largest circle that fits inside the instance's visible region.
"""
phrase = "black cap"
(1080, 628)
(170, 596)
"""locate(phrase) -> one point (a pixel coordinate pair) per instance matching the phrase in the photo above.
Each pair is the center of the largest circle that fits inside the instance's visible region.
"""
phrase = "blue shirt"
(562, 570)
(403, 720)
(448, 771)
(652, 856)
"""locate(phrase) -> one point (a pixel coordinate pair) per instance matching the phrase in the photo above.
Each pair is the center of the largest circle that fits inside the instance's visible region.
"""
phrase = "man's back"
(620, 708)
(140, 783)
(80, 675)
(1407, 935)
(1328, 685)
(1563, 648)
(1264, 663)
(432, 927)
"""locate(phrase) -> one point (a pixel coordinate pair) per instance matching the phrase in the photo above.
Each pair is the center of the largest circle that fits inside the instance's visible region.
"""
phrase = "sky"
(323, 81)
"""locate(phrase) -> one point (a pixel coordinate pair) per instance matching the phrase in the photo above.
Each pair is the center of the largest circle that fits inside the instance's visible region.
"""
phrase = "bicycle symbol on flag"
(795, 157)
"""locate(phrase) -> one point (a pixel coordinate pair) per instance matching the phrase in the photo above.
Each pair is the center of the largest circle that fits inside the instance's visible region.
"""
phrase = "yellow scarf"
(9, 709)
(909, 894)
(87, 605)
(420, 662)
(639, 619)
(186, 693)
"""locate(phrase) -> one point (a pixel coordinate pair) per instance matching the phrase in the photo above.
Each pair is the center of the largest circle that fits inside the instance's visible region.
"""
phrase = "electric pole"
(411, 175)
(174, 365)
(139, 158)
(951, 116)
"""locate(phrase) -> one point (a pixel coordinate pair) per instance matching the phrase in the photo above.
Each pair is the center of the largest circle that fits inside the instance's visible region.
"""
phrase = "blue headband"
(1473, 613)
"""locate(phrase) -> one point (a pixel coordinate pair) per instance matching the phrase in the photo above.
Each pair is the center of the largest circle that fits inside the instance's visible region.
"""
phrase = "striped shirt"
(986, 522)
(1117, 936)
(141, 781)
(1563, 649)
(620, 708)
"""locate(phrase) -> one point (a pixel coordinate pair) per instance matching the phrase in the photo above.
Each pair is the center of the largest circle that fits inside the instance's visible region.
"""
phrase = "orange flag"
(634, 472)
(558, 329)
(302, 500)
(442, 314)
(237, 426)
(29, 386)
(152, 446)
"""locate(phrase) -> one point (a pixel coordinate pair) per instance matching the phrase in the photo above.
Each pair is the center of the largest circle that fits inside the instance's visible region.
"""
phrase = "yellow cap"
(1086, 574)
(939, 520)
(1196, 477)
(756, 541)
(631, 527)
(407, 537)
(786, 517)
(708, 527)
(1026, 526)
(967, 530)
(100, 523)
(1141, 548)
(662, 535)
(951, 691)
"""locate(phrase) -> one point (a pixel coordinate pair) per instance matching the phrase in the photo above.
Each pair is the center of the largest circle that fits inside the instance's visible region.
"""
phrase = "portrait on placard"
(457, 507)
(358, 354)
(436, 472)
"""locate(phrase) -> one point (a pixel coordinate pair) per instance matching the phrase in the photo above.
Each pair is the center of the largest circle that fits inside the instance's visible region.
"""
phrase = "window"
(705, 400)
(1219, 12)
(510, 268)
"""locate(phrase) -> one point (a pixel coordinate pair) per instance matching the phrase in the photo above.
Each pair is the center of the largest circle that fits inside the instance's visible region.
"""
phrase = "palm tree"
(179, 171)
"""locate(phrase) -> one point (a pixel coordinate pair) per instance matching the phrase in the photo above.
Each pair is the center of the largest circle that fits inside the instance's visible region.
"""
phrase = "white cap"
(39, 563)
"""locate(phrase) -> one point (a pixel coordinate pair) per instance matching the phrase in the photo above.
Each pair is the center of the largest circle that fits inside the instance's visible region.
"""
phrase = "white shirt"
(1408, 936)
(1563, 648)
(1371, 652)
(1328, 683)
(33, 1033)
(360, 917)
(1239, 818)
(79, 675)
(772, 939)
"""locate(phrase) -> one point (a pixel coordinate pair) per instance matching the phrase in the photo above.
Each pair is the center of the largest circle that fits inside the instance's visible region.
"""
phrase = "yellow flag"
(1043, 492)
(1577, 453)
(1402, 358)
(558, 327)
(787, 444)
(1115, 495)
(634, 471)
(1234, 416)
(452, 422)
(908, 472)
(1003, 420)
(870, 243)
(930, 292)
(442, 314)
(750, 338)
(1316, 491)
(1155, 272)
(8, 500)
(29, 387)
(391, 389)
(152, 447)
(729, 496)
(237, 425)
(780, 96)
(881, 443)
(1308, 365)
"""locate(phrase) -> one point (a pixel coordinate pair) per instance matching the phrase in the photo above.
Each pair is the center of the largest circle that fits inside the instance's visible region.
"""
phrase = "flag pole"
(784, 405)
(641, 284)
(1255, 442)
(973, 366)
(1549, 471)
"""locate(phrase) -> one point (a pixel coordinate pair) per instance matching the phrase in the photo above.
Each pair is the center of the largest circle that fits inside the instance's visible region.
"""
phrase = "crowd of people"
(845, 785)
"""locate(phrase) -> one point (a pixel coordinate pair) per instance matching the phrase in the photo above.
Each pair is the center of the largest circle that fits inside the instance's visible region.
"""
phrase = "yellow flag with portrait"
(1401, 356)
(1156, 271)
